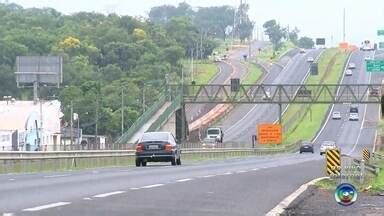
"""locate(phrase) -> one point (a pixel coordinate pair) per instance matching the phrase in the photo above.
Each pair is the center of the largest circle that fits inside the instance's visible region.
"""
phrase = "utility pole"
(122, 111)
(97, 118)
(192, 69)
(344, 25)
(71, 122)
(201, 45)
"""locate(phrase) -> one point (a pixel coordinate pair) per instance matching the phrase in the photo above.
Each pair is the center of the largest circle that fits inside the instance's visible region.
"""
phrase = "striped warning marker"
(333, 162)
(366, 155)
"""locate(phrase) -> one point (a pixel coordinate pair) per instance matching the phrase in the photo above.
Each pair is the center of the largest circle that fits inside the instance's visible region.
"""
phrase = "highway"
(353, 136)
(230, 68)
(230, 187)
(248, 186)
(240, 124)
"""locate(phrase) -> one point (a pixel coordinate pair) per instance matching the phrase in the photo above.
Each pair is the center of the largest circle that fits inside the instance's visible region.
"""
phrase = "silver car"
(348, 72)
(336, 115)
(326, 145)
(353, 117)
(351, 65)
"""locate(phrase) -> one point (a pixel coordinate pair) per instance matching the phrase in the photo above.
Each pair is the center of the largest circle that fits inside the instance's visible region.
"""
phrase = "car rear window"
(155, 137)
(214, 131)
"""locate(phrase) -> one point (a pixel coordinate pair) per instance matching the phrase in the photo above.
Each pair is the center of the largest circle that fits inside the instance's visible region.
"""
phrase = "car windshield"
(213, 131)
(155, 137)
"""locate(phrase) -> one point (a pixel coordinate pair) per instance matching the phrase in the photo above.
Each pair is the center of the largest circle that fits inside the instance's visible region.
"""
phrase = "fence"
(68, 160)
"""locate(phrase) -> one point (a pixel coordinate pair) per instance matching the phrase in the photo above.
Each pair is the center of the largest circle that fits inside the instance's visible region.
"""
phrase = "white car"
(326, 145)
(367, 58)
(353, 117)
(336, 115)
(348, 72)
(310, 59)
(351, 65)
(267, 95)
(217, 59)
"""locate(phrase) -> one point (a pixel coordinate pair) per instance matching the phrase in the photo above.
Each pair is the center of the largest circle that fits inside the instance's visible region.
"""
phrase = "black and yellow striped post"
(366, 155)
(333, 160)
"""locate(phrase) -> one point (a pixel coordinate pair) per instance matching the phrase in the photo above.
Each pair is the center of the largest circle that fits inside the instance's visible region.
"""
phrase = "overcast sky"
(320, 18)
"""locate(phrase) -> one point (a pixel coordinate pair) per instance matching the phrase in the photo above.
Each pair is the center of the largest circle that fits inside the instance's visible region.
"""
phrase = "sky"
(320, 18)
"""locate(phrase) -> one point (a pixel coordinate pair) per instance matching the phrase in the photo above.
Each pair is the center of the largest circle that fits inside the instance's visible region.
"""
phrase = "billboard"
(320, 41)
(39, 69)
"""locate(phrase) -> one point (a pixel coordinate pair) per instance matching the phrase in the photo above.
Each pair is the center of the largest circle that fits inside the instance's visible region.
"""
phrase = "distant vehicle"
(215, 133)
(326, 145)
(367, 58)
(351, 65)
(354, 108)
(217, 59)
(302, 51)
(366, 45)
(157, 147)
(353, 117)
(225, 57)
(267, 95)
(348, 72)
(336, 115)
(374, 92)
(306, 147)
(310, 59)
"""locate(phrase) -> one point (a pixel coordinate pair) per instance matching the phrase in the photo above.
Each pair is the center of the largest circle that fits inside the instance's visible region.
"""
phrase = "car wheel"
(313, 152)
(178, 161)
(301, 152)
(143, 163)
(138, 162)
(321, 153)
(173, 161)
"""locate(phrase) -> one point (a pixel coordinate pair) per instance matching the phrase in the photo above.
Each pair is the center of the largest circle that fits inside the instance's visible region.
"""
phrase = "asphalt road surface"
(240, 124)
(230, 68)
(250, 186)
(353, 136)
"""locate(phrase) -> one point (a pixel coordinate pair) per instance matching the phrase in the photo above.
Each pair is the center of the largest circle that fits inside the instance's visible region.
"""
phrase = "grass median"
(331, 66)
(253, 75)
(267, 53)
(203, 71)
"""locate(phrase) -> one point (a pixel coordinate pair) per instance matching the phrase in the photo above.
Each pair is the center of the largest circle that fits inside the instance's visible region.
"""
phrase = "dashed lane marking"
(52, 205)
(152, 186)
(57, 176)
(184, 180)
(108, 194)
(134, 188)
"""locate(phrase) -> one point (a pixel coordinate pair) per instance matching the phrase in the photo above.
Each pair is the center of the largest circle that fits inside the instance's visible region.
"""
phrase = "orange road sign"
(269, 134)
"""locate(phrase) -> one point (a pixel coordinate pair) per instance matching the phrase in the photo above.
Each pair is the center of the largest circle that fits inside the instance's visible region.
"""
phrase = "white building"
(32, 122)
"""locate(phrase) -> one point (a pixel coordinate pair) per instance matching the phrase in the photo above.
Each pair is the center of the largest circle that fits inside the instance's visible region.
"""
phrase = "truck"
(214, 134)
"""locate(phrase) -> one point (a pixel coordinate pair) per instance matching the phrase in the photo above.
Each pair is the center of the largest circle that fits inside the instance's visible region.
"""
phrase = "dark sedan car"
(157, 147)
(306, 147)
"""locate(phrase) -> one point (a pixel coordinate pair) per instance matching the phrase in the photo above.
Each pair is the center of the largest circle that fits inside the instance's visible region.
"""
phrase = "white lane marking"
(11, 179)
(184, 180)
(152, 186)
(241, 171)
(285, 203)
(87, 198)
(134, 188)
(255, 169)
(207, 176)
(52, 205)
(8, 214)
(228, 173)
(362, 122)
(57, 176)
(108, 194)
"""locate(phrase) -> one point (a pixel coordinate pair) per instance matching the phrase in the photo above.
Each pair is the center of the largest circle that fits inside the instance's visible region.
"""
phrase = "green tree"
(275, 33)
(306, 43)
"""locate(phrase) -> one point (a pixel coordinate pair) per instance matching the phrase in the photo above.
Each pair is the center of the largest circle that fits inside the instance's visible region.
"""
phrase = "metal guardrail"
(378, 156)
(368, 167)
(163, 118)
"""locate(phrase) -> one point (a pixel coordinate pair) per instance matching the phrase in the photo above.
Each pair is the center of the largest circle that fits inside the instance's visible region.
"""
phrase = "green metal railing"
(164, 96)
(166, 115)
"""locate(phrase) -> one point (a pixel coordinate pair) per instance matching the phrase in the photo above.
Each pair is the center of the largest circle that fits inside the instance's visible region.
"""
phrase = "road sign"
(320, 41)
(380, 32)
(235, 84)
(333, 164)
(269, 134)
(375, 65)
(366, 155)
(314, 68)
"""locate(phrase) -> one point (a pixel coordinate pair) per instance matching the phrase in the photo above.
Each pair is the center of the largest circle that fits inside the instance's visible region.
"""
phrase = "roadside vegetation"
(253, 75)
(268, 53)
(304, 127)
(203, 71)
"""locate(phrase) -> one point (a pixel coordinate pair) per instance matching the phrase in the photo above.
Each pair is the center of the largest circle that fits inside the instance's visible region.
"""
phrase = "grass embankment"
(203, 71)
(331, 65)
(376, 183)
(253, 75)
(267, 53)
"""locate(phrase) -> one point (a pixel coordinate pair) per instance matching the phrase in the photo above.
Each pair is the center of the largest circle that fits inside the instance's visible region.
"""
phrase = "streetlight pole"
(71, 122)
(122, 111)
